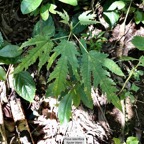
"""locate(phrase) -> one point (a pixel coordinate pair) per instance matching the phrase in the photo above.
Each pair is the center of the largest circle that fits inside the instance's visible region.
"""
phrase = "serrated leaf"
(86, 99)
(28, 6)
(24, 85)
(64, 16)
(68, 56)
(113, 67)
(70, 2)
(44, 28)
(64, 109)
(92, 66)
(86, 18)
(10, 51)
(43, 47)
(75, 97)
(138, 42)
(116, 5)
(2, 74)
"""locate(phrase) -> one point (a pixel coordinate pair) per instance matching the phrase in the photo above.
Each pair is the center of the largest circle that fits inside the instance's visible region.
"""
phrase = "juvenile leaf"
(113, 67)
(68, 56)
(24, 85)
(75, 97)
(86, 99)
(138, 42)
(10, 51)
(64, 110)
(64, 16)
(2, 74)
(28, 6)
(70, 2)
(92, 66)
(42, 48)
(86, 19)
(117, 4)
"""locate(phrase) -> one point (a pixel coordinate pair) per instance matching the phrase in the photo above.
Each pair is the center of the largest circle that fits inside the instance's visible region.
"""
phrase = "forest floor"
(98, 126)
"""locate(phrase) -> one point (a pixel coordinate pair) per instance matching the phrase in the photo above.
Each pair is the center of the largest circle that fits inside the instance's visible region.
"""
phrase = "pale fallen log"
(21, 123)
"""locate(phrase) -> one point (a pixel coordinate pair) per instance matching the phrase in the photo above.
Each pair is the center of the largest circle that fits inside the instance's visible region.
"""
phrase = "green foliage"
(64, 111)
(86, 19)
(130, 140)
(2, 74)
(41, 50)
(10, 51)
(70, 2)
(24, 85)
(68, 53)
(28, 6)
(138, 42)
(139, 17)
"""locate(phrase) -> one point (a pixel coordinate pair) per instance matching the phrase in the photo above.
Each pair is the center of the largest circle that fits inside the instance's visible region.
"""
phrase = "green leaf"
(64, 109)
(116, 141)
(138, 42)
(44, 28)
(70, 2)
(127, 58)
(112, 17)
(77, 27)
(68, 56)
(64, 16)
(92, 66)
(86, 99)
(41, 50)
(138, 16)
(1, 39)
(52, 8)
(113, 67)
(10, 51)
(28, 6)
(117, 4)
(44, 12)
(2, 74)
(132, 140)
(24, 85)
(86, 19)
(75, 97)
(134, 88)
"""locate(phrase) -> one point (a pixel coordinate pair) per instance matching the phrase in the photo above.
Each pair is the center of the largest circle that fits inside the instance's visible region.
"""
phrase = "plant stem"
(130, 75)
(80, 43)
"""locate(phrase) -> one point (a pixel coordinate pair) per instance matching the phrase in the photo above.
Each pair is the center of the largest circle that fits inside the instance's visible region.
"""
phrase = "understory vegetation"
(74, 48)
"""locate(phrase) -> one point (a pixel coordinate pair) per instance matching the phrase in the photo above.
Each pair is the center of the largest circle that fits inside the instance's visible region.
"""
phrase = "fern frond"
(68, 56)
(93, 73)
(41, 50)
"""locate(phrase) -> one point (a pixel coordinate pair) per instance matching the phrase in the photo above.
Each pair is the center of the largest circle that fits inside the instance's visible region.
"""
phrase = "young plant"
(77, 69)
